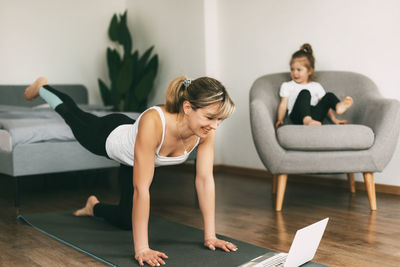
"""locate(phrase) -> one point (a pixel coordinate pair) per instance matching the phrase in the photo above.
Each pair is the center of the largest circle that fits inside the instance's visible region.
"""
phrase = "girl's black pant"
(303, 108)
(91, 132)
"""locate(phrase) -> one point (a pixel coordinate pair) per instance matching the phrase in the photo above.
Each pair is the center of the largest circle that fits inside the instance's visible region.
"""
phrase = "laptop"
(302, 250)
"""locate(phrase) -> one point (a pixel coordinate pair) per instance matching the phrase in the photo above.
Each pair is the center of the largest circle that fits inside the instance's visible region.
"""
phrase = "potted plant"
(131, 75)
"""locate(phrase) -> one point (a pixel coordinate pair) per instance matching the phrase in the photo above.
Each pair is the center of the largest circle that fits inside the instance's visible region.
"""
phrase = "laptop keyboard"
(275, 261)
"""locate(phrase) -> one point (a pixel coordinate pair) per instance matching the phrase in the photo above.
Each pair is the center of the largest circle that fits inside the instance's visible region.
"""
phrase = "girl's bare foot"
(310, 122)
(344, 105)
(32, 91)
(88, 209)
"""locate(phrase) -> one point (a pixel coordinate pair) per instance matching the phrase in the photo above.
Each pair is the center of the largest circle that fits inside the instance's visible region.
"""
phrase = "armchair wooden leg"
(281, 187)
(274, 178)
(370, 186)
(352, 183)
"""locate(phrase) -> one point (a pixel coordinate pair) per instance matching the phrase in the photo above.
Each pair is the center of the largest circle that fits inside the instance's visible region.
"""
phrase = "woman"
(162, 135)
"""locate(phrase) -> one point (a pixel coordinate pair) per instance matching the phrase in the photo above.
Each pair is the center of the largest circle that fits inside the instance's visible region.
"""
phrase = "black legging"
(119, 215)
(303, 108)
(91, 132)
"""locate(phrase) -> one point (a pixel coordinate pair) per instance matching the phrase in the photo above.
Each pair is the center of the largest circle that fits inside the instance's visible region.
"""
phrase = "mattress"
(5, 141)
(31, 125)
(28, 131)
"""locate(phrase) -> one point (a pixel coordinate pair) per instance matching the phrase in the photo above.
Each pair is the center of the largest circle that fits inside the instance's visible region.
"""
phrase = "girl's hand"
(337, 121)
(151, 257)
(213, 243)
(278, 123)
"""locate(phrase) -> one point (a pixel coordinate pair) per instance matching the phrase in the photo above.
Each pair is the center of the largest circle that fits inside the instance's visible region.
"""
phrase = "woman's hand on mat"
(213, 243)
(151, 257)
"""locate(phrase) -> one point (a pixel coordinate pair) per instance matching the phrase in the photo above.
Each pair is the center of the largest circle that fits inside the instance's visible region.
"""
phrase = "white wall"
(65, 41)
(176, 29)
(258, 37)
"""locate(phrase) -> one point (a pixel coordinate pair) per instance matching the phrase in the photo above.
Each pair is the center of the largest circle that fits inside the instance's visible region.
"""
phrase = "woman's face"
(299, 72)
(204, 120)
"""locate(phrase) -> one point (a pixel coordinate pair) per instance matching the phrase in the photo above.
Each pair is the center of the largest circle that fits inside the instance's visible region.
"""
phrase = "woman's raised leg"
(32, 91)
(89, 130)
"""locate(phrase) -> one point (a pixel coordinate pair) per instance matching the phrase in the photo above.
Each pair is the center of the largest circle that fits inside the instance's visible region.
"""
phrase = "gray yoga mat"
(113, 246)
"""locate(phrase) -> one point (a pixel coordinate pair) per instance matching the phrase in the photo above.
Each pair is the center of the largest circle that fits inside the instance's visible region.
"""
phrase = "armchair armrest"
(263, 105)
(382, 115)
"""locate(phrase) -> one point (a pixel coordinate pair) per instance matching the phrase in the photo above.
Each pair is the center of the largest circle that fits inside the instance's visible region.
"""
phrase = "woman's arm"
(205, 184)
(147, 140)
(281, 111)
(206, 193)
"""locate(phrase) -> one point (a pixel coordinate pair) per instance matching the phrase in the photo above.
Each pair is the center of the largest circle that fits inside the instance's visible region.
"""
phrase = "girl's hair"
(200, 93)
(306, 52)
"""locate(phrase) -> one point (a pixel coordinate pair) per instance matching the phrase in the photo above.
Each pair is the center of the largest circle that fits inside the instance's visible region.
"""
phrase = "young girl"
(306, 100)
(162, 135)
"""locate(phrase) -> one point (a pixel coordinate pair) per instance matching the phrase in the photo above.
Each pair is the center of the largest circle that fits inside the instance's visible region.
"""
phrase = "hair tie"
(187, 82)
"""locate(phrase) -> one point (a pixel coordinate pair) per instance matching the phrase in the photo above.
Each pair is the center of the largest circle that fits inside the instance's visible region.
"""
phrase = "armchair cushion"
(325, 137)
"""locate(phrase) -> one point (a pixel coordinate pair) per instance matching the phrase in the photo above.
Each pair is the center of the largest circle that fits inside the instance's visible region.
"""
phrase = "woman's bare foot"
(32, 91)
(88, 209)
(310, 122)
(344, 105)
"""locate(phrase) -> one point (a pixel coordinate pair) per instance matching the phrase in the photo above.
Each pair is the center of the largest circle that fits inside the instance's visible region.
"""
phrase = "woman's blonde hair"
(200, 93)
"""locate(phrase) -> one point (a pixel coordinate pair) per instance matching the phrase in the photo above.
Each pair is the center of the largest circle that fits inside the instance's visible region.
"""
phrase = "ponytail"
(307, 49)
(174, 95)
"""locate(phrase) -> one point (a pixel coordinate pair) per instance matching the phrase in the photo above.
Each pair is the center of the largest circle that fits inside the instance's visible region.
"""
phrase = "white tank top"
(120, 144)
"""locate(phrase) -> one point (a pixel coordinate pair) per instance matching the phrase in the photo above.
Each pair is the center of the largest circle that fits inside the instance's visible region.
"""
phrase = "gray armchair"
(365, 145)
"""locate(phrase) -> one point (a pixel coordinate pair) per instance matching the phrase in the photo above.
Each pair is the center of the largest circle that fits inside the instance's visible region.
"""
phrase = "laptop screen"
(305, 244)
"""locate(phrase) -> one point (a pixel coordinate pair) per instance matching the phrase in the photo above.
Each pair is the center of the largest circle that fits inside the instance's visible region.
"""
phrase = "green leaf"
(123, 17)
(135, 64)
(113, 29)
(125, 40)
(114, 64)
(142, 90)
(131, 105)
(124, 78)
(124, 36)
(146, 55)
(153, 64)
(105, 93)
(143, 62)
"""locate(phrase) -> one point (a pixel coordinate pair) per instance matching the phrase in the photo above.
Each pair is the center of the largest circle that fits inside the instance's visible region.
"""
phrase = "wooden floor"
(244, 211)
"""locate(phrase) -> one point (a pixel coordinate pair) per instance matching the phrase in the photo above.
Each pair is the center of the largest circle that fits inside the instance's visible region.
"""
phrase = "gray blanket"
(32, 125)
